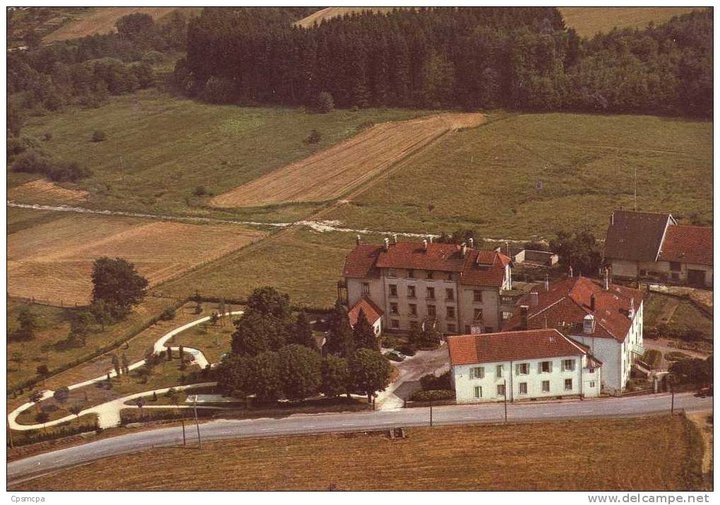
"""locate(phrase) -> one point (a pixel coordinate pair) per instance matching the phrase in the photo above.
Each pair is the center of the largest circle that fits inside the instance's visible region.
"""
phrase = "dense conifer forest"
(514, 58)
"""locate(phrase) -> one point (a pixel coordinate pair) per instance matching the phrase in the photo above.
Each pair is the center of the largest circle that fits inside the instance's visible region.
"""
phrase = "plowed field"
(100, 21)
(45, 192)
(52, 262)
(331, 173)
(333, 12)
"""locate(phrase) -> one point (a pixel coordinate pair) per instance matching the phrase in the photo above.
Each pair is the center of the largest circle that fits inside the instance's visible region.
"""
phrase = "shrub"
(433, 394)
(168, 314)
(431, 382)
(407, 349)
(98, 136)
(200, 191)
(652, 357)
(325, 102)
(313, 138)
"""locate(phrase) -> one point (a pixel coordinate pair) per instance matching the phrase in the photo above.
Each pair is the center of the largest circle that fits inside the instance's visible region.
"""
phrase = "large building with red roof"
(646, 245)
(604, 317)
(521, 365)
(457, 288)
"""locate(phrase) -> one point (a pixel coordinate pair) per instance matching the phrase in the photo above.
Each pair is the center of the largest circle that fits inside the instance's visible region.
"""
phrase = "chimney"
(592, 303)
(589, 324)
(386, 244)
(471, 241)
(534, 297)
(524, 317)
(607, 279)
(357, 240)
(631, 312)
(547, 283)
(464, 249)
(394, 238)
(425, 244)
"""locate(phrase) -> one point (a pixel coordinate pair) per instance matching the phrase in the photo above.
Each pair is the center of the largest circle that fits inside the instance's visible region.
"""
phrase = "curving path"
(109, 413)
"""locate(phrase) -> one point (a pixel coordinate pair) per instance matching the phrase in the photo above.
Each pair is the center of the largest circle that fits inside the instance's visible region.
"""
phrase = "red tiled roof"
(512, 345)
(566, 304)
(688, 244)
(478, 268)
(360, 263)
(441, 257)
(372, 311)
(635, 236)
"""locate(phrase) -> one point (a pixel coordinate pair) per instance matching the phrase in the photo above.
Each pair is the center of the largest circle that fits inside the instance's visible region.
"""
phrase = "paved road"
(363, 421)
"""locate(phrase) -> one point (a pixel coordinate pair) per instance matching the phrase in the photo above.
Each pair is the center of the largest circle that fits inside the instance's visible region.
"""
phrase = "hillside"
(588, 21)
(333, 12)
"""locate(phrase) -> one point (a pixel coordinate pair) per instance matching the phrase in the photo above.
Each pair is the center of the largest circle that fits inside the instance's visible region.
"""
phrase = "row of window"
(427, 274)
(523, 388)
(431, 311)
(567, 365)
(395, 324)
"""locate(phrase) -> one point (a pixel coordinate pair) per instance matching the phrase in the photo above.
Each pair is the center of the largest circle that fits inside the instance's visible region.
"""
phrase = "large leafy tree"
(335, 376)
(302, 332)
(268, 301)
(299, 371)
(578, 250)
(264, 376)
(118, 284)
(256, 333)
(369, 372)
(364, 334)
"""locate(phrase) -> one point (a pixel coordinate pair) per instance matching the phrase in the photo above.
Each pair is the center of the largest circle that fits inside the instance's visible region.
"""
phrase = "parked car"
(705, 391)
(395, 356)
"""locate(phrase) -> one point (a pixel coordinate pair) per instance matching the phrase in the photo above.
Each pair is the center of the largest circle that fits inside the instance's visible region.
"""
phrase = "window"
(675, 266)
(477, 372)
(477, 315)
(393, 289)
(501, 389)
(499, 371)
(394, 308)
(449, 294)
(523, 369)
(428, 274)
(411, 274)
(431, 293)
(413, 309)
(449, 276)
(568, 384)
(391, 272)
(450, 312)
(545, 367)
(591, 384)
(477, 295)
(468, 330)
(365, 288)
(522, 388)
(395, 323)
(488, 329)
(451, 328)
(478, 391)
(545, 386)
(411, 291)
(431, 310)
(568, 365)
(675, 276)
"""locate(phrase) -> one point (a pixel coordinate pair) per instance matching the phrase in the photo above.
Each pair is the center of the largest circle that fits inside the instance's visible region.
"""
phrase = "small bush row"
(433, 395)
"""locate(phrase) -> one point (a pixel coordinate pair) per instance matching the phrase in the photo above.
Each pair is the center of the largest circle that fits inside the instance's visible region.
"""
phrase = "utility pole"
(197, 424)
(672, 393)
(505, 396)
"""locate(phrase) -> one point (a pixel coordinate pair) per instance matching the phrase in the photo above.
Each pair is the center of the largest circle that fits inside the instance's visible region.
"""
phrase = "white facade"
(526, 379)
(617, 357)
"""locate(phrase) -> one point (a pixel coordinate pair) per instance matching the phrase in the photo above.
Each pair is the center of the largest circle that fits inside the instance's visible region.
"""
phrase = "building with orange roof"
(456, 288)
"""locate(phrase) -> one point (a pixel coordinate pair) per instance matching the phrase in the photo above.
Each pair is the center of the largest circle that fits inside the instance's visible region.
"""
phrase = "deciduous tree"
(369, 372)
(117, 283)
(335, 376)
(300, 371)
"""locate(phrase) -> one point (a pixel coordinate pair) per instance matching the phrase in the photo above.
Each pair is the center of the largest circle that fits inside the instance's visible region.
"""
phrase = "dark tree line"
(516, 58)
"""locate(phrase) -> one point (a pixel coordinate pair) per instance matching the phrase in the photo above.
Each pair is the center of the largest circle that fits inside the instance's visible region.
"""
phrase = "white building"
(522, 364)
(455, 287)
(606, 318)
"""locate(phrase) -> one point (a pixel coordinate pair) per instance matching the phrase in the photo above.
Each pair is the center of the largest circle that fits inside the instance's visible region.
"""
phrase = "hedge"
(433, 395)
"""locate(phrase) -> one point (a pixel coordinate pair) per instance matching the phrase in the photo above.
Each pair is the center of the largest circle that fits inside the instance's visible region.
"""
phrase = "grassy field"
(528, 175)
(330, 174)
(162, 152)
(52, 261)
(303, 263)
(688, 316)
(656, 453)
(587, 21)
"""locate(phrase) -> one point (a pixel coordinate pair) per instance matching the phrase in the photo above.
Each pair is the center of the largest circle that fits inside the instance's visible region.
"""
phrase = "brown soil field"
(656, 453)
(331, 173)
(100, 21)
(45, 192)
(588, 21)
(52, 262)
(333, 12)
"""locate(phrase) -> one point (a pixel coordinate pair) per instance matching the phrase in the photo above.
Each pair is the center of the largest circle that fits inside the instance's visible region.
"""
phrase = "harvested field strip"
(654, 453)
(42, 191)
(333, 12)
(53, 261)
(100, 21)
(335, 171)
(587, 21)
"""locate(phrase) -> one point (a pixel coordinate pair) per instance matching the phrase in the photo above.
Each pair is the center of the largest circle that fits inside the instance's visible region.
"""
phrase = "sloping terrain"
(331, 173)
(587, 21)
(333, 12)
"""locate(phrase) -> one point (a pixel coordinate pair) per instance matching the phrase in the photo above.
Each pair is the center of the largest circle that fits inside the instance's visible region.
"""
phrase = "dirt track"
(332, 173)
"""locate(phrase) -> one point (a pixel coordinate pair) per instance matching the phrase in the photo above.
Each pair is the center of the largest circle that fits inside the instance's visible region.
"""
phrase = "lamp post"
(505, 397)
(197, 424)
(670, 380)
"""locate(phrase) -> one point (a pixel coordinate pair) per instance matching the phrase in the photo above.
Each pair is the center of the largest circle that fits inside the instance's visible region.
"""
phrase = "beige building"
(457, 288)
